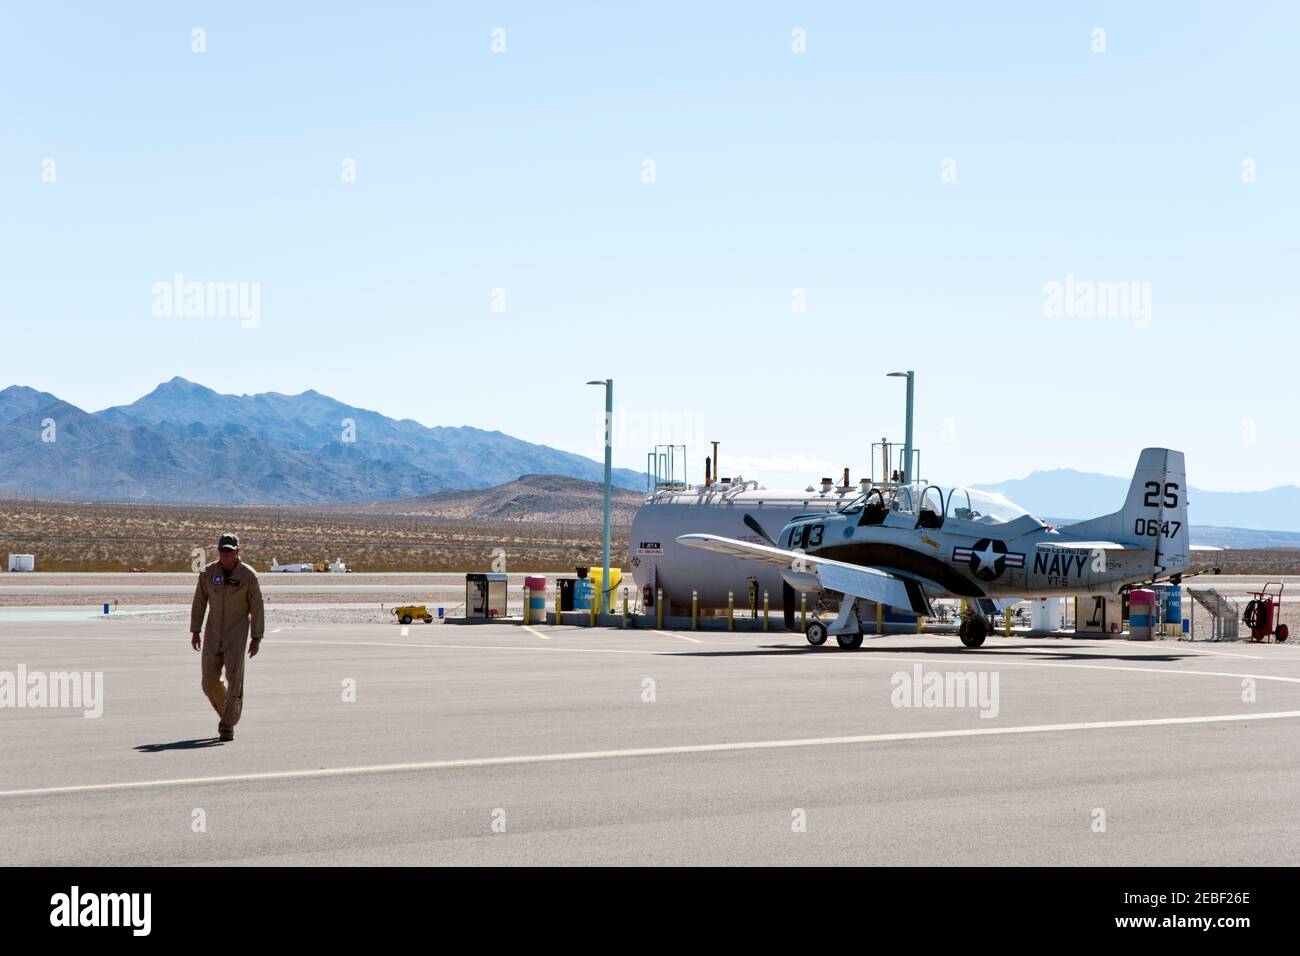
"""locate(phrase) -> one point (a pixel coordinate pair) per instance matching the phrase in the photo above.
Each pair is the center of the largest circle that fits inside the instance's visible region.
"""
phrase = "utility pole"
(609, 478)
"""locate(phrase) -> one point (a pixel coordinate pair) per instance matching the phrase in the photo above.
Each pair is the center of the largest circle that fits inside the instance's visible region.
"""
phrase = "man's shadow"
(180, 745)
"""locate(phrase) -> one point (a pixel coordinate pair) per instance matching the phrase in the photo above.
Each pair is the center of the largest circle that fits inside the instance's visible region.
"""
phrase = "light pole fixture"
(907, 436)
(609, 477)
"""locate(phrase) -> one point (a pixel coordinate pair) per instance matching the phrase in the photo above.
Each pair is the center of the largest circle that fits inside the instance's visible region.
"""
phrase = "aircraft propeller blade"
(757, 528)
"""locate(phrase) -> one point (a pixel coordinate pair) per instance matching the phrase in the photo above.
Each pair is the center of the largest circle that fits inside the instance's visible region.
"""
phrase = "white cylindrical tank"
(658, 561)
(1045, 614)
(22, 562)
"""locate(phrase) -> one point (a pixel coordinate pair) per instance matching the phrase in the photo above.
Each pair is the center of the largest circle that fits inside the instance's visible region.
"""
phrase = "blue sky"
(775, 171)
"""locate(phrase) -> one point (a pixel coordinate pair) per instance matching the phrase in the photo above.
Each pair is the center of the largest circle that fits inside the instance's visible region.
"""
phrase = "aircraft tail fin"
(1154, 516)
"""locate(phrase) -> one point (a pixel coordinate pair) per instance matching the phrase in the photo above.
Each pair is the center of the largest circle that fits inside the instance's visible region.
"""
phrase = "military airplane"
(903, 545)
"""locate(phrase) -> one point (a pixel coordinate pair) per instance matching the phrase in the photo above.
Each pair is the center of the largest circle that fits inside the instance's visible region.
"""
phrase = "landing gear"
(818, 632)
(973, 630)
(847, 626)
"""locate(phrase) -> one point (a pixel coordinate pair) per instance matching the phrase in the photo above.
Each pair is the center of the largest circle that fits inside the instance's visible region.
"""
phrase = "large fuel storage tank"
(658, 561)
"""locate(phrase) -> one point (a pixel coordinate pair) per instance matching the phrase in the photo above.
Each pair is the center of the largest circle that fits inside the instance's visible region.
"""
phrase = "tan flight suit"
(233, 602)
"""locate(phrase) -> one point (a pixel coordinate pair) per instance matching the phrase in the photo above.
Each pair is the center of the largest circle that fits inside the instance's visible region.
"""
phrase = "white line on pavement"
(693, 640)
(645, 752)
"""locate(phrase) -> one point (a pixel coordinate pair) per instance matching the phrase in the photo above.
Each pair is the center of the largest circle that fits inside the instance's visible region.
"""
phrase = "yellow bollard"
(527, 615)
(625, 605)
(558, 612)
(765, 609)
(803, 611)
(659, 608)
(880, 618)
(1006, 621)
(731, 611)
(594, 598)
(695, 610)
(920, 625)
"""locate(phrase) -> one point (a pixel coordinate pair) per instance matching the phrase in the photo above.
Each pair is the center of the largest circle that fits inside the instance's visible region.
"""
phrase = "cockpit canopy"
(983, 507)
(934, 504)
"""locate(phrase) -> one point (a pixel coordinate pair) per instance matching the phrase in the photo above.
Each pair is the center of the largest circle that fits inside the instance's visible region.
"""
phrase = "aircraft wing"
(855, 580)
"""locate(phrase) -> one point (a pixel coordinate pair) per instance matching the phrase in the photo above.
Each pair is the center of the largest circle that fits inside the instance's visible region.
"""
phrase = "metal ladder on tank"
(1225, 612)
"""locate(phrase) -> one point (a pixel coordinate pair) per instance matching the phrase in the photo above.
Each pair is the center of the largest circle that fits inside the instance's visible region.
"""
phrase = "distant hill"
(184, 442)
(1244, 538)
(1089, 495)
(531, 499)
(1235, 538)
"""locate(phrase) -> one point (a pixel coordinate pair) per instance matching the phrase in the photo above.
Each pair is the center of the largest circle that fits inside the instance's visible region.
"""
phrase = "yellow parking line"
(535, 632)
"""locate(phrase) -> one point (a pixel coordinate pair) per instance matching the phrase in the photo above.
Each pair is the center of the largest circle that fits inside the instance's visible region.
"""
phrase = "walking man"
(229, 591)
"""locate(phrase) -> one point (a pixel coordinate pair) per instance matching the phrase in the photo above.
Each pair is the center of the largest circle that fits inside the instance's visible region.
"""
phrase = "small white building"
(22, 562)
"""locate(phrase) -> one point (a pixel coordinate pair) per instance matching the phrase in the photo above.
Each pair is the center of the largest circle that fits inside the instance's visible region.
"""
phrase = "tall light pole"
(609, 478)
(907, 437)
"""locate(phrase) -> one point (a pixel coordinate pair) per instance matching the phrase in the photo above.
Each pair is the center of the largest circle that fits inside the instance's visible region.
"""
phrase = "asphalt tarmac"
(498, 744)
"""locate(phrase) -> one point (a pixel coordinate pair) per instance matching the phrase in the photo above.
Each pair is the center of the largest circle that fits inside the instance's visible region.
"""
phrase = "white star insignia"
(988, 557)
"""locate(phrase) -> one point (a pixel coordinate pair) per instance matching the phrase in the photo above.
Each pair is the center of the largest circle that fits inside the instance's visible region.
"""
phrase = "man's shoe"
(225, 733)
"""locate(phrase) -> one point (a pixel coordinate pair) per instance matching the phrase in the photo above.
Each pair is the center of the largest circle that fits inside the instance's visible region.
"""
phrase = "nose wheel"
(973, 630)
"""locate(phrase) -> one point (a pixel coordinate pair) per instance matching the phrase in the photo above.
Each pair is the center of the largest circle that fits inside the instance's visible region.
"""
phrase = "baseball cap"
(228, 542)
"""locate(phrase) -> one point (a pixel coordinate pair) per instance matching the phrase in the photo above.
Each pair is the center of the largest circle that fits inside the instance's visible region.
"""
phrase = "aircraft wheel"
(816, 633)
(973, 631)
(849, 640)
